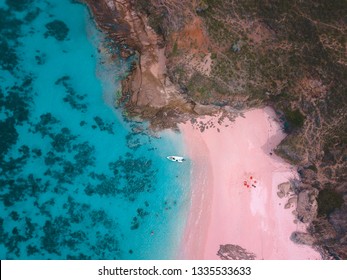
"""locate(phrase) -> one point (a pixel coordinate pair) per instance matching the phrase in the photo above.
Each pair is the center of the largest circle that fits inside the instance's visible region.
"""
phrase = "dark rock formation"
(234, 252)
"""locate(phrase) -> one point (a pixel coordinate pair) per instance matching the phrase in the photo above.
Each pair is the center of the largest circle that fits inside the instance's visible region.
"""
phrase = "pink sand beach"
(234, 189)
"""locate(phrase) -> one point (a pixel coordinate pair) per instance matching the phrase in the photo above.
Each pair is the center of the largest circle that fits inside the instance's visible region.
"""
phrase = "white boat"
(175, 158)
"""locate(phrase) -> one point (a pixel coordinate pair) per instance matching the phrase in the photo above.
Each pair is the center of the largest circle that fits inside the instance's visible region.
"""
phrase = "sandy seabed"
(234, 198)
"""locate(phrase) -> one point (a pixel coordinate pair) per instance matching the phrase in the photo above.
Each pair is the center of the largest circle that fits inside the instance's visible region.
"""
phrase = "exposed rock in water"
(234, 252)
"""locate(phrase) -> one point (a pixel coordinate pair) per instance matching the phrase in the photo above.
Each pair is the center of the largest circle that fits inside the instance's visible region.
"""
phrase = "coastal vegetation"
(294, 118)
(328, 201)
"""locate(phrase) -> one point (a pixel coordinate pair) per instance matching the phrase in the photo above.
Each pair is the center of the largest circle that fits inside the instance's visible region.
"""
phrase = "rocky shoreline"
(147, 92)
(170, 49)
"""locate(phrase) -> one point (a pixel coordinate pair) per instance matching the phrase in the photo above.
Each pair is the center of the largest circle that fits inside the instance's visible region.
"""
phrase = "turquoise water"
(78, 181)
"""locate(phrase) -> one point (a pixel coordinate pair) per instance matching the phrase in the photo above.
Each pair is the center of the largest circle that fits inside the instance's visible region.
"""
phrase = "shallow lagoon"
(77, 180)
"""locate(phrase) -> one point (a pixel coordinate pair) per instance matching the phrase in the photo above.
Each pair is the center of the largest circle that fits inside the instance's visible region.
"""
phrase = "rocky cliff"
(147, 92)
(196, 57)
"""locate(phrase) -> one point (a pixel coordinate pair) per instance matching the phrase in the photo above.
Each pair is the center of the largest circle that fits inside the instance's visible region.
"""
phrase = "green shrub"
(175, 49)
(313, 168)
(328, 200)
(295, 118)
